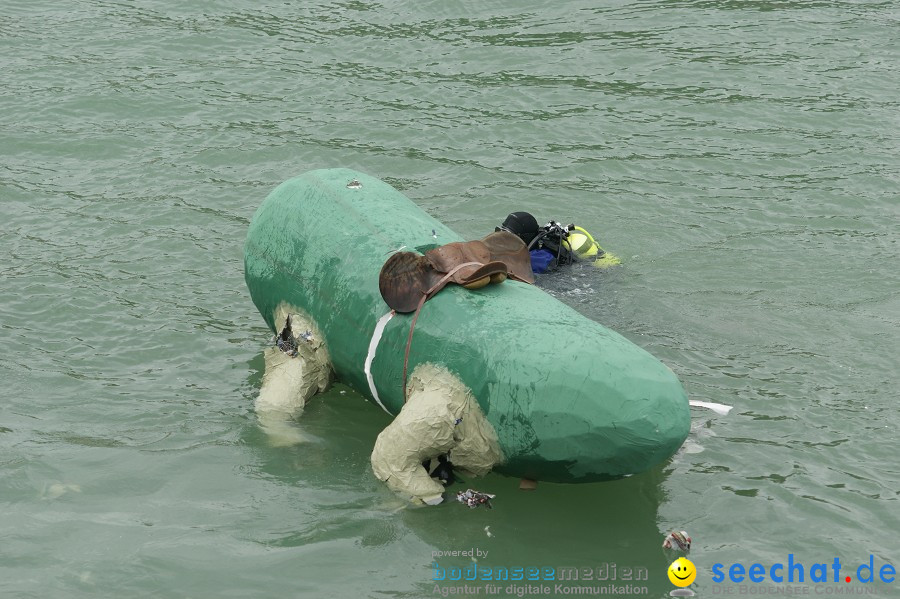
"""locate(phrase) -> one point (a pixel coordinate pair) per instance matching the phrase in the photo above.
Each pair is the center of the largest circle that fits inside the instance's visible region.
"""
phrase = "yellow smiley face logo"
(682, 572)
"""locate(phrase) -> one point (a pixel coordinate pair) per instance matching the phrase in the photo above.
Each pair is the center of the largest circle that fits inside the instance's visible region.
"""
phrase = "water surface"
(741, 157)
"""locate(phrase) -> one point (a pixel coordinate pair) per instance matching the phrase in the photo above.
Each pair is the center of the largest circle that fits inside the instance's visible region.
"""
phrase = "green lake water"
(741, 157)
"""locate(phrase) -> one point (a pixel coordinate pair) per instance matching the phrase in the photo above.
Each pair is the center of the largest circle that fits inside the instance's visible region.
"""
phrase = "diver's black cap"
(521, 224)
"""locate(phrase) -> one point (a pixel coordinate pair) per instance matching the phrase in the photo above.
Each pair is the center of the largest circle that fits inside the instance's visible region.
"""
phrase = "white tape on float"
(370, 357)
(718, 408)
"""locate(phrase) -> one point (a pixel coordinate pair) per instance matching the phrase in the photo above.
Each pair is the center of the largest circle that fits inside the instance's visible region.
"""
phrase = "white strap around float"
(370, 357)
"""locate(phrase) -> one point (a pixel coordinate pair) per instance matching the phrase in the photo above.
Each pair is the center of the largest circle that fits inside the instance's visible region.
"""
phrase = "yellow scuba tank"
(586, 248)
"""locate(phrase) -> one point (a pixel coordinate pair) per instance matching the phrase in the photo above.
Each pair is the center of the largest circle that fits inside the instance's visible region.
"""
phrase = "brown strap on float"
(425, 297)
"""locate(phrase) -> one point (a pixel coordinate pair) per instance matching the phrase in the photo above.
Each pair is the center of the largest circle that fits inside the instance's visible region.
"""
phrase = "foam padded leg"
(291, 380)
(440, 416)
(422, 429)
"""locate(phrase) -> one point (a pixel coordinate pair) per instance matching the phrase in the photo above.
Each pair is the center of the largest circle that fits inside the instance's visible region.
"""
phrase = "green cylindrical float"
(570, 400)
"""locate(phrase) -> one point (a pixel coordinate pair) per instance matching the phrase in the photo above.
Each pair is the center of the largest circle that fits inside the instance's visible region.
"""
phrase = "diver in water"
(555, 245)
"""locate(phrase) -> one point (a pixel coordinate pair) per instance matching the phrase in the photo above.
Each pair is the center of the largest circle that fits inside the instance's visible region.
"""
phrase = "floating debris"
(57, 490)
(718, 408)
(526, 484)
(473, 498)
(677, 540)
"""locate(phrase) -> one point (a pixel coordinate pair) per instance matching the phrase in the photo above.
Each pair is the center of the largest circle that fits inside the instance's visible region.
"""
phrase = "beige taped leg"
(440, 415)
(289, 381)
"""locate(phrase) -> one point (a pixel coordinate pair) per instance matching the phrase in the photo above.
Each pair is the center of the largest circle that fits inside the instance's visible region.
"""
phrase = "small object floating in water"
(718, 408)
(473, 499)
(57, 490)
(354, 184)
(526, 484)
(487, 531)
(678, 540)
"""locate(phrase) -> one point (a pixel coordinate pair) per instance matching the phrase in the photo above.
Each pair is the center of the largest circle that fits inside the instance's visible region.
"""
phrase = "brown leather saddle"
(407, 280)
